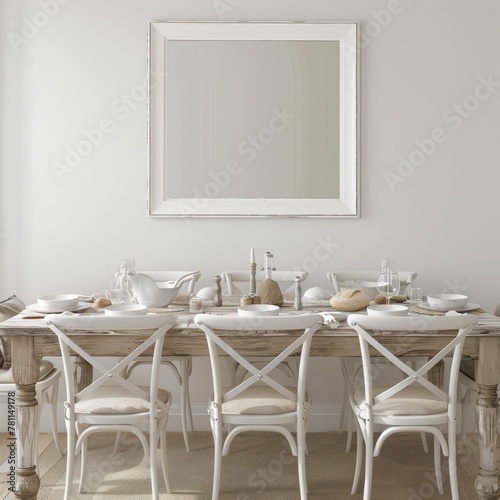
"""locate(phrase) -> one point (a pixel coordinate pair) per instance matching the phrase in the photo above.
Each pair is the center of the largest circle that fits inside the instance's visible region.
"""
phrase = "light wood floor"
(469, 457)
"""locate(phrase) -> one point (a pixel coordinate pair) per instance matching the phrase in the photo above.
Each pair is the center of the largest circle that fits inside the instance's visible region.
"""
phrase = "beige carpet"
(259, 467)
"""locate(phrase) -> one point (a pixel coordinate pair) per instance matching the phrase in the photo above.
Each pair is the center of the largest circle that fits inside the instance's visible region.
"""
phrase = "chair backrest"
(281, 277)
(61, 325)
(366, 281)
(189, 277)
(461, 324)
(308, 323)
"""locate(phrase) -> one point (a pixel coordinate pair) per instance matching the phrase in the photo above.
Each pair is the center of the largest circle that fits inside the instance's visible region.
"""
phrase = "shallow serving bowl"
(58, 302)
(447, 300)
(258, 310)
(387, 310)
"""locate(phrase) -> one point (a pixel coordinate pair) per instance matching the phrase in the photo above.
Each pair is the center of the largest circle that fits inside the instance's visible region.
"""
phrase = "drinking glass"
(388, 279)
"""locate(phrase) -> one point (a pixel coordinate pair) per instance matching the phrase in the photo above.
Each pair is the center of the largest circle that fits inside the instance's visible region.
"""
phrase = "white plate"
(258, 310)
(125, 310)
(387, 310)
(469, 307)
(81, 306)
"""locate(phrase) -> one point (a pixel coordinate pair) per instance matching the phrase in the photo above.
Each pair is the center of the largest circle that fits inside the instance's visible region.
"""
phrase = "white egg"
(317, 293)
(206, 293)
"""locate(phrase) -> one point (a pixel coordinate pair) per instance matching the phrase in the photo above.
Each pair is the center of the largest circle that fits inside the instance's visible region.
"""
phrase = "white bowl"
(447, 301)
(387, 310)
(58, 302)
(258, 310)
(125, 310)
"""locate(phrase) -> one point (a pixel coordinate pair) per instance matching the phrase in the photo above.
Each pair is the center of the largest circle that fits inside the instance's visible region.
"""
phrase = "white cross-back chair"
(181, 366)
(365, 281)
(413, 404)
(286, 280)
(111, 402)
(260, 402)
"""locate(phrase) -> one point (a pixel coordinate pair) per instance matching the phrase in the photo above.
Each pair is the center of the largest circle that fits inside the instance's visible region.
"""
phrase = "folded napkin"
(329, 320)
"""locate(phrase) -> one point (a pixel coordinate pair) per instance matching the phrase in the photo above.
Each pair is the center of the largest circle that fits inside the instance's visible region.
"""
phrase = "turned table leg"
(25, 373)
(487, 377)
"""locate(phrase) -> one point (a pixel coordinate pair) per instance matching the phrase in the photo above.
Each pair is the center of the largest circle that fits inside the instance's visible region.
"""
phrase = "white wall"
(420, 66)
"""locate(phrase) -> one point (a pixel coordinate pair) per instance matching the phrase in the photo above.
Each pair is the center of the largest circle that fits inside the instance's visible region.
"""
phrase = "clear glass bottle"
(127, 281)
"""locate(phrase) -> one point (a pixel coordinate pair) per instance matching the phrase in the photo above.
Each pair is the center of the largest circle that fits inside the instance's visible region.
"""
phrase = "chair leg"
(465, 401)
(359, 458)
(70, 458)
(217, 433)
(188, 397)
(437, 465)
(163, 450)
(301, 458)
(53, 416)
(153, 447)
(83, 466)
(424, 442)
(184, 369)
(452, 459)
(368, 462)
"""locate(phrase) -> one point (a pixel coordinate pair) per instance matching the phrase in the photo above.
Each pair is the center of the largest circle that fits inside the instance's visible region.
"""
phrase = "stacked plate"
(58, 303)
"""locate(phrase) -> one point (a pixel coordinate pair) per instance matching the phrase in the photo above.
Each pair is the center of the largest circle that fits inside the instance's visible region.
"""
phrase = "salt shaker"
(217, 291)
(297, 300)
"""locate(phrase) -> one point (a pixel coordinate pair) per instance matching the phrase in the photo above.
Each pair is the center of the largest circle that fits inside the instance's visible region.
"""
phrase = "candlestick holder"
(253, 283)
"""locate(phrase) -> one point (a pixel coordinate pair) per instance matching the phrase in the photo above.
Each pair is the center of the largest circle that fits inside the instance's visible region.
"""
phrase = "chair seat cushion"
(114, 400)
(45, 368)
(260, 400)
(413, 400)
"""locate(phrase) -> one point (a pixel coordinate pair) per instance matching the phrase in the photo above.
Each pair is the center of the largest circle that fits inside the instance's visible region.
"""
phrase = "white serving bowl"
(387, 310)
(125, 310)
(447, 301)
(258, 310)
(58, 302)
(156, 293)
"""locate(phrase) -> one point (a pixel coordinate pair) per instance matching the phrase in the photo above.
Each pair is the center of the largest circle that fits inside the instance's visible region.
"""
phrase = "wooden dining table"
(31, 340)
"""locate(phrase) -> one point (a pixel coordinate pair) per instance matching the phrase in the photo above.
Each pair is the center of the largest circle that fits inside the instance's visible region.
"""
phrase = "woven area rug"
(259, 467)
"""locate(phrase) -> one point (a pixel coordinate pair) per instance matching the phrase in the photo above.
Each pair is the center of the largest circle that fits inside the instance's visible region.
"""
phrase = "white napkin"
(489, 320)
(329, 320)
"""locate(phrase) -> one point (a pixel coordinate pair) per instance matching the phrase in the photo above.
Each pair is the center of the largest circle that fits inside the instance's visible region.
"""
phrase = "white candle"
(252, 255)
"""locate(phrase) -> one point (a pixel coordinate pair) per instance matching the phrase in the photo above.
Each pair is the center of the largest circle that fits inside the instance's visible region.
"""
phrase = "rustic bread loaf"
(350, 300)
